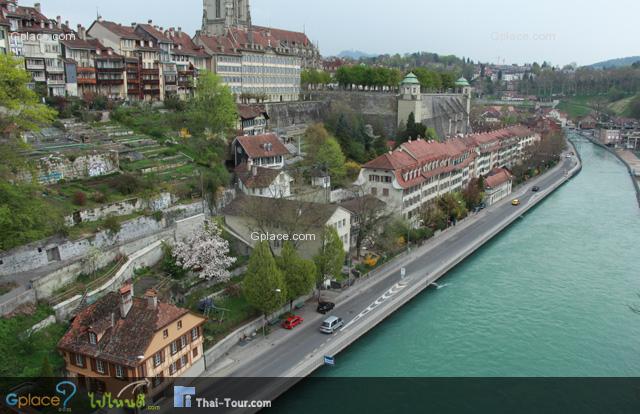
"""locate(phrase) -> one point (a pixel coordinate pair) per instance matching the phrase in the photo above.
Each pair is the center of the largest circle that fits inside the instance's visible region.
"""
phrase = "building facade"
(121, 337)
(497, 186)
(260, 150)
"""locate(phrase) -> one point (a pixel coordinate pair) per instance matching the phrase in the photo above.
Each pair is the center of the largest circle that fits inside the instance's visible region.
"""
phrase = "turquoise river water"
(549, 297)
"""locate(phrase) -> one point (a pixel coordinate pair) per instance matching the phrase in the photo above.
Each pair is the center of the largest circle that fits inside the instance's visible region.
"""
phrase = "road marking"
(387, 295)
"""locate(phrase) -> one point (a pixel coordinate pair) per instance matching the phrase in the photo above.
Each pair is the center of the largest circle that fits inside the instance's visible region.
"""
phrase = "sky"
(498, 31)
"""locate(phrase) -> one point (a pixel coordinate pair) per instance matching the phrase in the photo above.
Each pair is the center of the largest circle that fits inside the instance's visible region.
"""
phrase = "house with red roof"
(122, 337)
(264, 150)
(258, 181)
(497, 184)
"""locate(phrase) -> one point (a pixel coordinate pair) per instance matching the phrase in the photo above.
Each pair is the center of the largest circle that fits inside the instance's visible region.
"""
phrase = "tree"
(299, 274)
(264, 284)
(371, 216)
(213, 107)
(474, 192)
(433, 217)
(20, 109)
(205, 252)
(46, 371)
(330, 258)
(330, 155)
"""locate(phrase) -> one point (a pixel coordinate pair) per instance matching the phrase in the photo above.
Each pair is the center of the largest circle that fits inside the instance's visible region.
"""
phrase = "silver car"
(331, 325)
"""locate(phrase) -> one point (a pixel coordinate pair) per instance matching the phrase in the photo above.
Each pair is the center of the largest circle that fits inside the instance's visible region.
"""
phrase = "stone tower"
(410, 99)
(218, 15)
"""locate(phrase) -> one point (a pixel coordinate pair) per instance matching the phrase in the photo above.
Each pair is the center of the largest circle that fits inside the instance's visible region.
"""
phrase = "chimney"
(126, 299)
(42, 24)
(179, 31)
(100, 19)
(133, 24)
(150, 21)
(37, 7)
(59, 21)
(152, 298)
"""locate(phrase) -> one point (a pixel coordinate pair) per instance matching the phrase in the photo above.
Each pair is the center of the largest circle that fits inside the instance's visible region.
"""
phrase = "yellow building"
(121, 339)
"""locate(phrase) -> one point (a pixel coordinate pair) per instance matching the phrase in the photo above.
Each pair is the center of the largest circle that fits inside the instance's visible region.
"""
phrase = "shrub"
(127, 184)
(157, 215)
(233, 291)
(80, 198)
(112, 224)
(99, 197)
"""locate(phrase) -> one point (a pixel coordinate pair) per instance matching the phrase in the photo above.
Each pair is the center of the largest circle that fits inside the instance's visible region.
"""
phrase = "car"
(483, 206)
(515, 202)
(292, 321)
(331, 325)
(325, 307)
(535, 189)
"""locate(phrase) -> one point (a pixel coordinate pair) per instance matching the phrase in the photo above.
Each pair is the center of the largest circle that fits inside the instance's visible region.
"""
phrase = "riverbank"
(635, 180)
(371, 301)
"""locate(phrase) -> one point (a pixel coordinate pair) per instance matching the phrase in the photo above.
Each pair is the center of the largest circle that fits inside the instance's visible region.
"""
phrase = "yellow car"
(515, 202)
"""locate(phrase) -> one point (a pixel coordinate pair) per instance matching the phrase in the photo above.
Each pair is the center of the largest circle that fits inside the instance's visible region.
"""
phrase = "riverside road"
(368, 299)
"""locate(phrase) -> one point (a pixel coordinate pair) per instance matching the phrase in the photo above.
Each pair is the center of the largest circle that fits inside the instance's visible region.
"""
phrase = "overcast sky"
(505, 31)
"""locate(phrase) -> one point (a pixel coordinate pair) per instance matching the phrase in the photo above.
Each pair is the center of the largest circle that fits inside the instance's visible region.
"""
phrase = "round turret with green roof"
(462, 82)
(410, 79)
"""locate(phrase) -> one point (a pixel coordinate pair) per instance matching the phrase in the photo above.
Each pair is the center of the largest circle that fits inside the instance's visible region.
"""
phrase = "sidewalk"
(247, 352)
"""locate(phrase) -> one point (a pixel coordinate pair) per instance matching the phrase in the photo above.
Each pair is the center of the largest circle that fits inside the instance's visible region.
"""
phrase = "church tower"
(218, 15)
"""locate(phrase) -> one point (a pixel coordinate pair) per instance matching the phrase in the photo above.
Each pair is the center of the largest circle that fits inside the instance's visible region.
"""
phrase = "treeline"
(368, 76)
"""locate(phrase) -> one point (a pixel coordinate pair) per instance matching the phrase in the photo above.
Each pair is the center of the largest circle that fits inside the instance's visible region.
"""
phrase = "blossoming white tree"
(205, 252)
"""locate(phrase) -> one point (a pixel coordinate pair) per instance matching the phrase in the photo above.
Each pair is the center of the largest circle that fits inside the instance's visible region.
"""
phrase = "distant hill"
(355, 54)
(616, 63)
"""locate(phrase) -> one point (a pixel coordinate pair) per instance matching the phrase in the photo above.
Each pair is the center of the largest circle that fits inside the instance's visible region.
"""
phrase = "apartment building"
(419, 171)
(142, 53)
(80, 58)
(254, 65)
(190, 59)
(4, 33)
(121, 337)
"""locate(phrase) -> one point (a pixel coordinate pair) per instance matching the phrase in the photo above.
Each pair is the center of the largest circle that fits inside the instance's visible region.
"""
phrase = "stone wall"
(121, 208)
(57, 167)
(52, 251)
(378, 108)
(286, 114)
(446, 113)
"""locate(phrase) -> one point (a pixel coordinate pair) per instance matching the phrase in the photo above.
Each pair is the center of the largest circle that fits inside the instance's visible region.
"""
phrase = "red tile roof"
(219, 44)
(126, 32)
(497, 177)
(286, 37)
(77, 43)
(184, 45)
(247, 111)
(256, 146)
(123, 340)
(262, 178)
(155, 33)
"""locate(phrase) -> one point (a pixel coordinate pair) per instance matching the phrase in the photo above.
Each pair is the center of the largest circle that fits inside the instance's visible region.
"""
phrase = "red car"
(292, 321)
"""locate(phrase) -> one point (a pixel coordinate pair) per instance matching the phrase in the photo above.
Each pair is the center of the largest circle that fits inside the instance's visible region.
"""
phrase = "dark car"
(325, 307)
(535, 189)
(482, 206)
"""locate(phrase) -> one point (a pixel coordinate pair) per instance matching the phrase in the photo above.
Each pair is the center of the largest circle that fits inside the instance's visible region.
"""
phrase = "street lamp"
(266, 318)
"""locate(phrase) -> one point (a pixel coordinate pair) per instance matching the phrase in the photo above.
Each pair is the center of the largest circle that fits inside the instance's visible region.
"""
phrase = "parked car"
(515, 202)
(483, 206)
(292, 321)
(331, 325)
(325, 307)
(535, 189)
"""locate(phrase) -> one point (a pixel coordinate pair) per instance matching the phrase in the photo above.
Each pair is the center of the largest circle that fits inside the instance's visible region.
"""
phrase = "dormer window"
(179, 324)
(93, 338)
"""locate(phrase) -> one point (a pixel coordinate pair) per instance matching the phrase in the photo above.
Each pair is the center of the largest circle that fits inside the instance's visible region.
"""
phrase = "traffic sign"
(403, 272)
(329, 360)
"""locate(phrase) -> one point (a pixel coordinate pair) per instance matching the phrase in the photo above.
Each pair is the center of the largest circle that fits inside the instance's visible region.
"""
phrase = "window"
(385, 192)
(99, 366)
(119, 371)
(194, 334)
(179, 324)
(174, 347)
(374, 191)
(183, 341)
(173, 368)
(79, 360)
(195, 352)
(93, 339)
(184, 361)
(157, 359)
(165, 333)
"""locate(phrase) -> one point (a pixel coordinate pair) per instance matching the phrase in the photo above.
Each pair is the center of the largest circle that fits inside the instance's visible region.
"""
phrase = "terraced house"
(419, 171)
(122, 337)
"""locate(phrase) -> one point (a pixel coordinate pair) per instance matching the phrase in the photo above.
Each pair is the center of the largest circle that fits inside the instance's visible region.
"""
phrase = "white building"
(263, 182)
(260, 150)
(498, 185)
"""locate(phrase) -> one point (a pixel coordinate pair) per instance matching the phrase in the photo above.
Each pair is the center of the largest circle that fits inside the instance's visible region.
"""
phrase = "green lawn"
(220, 324)
(577, 106)
(22, 355)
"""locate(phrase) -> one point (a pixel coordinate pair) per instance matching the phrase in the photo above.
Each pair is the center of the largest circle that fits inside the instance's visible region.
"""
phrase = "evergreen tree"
(264, 285)
(299, 274)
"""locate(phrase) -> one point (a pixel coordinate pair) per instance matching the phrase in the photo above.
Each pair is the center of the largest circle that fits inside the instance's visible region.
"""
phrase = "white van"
(331, 324)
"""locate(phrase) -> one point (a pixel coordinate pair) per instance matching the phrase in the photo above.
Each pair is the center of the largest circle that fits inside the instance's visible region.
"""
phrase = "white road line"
(387, 295)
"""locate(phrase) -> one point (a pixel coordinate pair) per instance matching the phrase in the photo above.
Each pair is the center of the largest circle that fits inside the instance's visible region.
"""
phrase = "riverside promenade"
(284, 357)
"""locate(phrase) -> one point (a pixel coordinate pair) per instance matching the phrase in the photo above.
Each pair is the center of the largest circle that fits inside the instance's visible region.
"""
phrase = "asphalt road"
(305, 341)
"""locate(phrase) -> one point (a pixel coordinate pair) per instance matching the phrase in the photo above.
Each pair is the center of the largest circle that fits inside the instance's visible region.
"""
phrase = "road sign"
(403, 272)
(329, 360)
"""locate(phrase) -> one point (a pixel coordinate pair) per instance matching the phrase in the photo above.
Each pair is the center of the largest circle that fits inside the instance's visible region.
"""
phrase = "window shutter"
(93, 365)
(111, 368)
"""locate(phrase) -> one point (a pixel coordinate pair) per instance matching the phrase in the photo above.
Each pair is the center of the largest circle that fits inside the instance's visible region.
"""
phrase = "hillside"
(355, 54)
(616, 63)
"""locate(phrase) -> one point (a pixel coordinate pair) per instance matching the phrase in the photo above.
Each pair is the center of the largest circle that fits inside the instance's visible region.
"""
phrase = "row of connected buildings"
(145, 62)
(419, 171)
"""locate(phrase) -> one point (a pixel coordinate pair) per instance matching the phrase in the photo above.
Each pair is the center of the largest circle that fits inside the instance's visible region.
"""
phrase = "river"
(549, 297)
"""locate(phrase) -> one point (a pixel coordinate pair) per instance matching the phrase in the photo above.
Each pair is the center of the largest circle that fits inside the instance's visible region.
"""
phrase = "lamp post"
(266, 317)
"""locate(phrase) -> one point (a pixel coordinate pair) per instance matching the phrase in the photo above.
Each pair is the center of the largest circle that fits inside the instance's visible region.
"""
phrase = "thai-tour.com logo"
(185, 397)
(64, 391)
